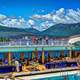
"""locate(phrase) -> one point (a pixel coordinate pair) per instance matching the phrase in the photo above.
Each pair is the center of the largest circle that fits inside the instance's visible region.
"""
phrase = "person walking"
(17, 65)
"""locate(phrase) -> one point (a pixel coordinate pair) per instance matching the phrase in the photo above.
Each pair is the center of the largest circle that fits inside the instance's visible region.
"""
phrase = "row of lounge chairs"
(33, 67)
(7, 69)
(36, 66)
(61, 64)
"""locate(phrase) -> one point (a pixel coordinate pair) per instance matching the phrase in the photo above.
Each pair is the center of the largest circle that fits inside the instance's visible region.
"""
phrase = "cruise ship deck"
(41, 52)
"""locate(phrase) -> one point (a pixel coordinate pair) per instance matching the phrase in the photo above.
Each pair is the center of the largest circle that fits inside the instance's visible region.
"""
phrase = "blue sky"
(26, 8)
(40, 14)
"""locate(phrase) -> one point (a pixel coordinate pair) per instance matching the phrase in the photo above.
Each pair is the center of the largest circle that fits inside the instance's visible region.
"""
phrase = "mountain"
(13, 32)
(62, 30)
(33, 31)
(58, 30)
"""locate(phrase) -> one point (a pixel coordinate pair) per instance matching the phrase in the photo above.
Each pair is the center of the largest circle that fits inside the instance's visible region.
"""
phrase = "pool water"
(68, 77)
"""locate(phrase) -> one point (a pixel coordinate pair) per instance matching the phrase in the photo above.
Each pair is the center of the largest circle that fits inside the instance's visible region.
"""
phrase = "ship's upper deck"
(32, 44)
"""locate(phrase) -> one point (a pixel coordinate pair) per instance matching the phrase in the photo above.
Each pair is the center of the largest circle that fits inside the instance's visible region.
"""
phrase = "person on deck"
(13, 61)
(17, 65)
(6, 61)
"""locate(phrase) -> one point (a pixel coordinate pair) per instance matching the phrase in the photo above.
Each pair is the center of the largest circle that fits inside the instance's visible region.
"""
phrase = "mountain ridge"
(63, 30)
(58, 30)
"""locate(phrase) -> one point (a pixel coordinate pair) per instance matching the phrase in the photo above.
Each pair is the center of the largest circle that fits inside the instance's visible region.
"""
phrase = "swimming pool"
(68, 77)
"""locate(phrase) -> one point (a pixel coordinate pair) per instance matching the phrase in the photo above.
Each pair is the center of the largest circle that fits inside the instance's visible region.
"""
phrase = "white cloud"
(14, 22)
(60, 16)
(36, 16)
(74, 15)
(2, 17)
(31, 22)
(60, 12)
(46, 24)
(42, 22)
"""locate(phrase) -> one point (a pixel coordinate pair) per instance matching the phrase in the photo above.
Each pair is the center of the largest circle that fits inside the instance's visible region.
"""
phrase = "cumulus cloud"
(61, 16)
(14, 22)
(31, 22)
(46, 25)
(2, 17)
(40, 21)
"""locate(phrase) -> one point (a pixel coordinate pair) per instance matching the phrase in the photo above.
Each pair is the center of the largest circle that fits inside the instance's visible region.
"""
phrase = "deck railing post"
(61, 54)
(36, 52)
(43, 60)
(49, 57)
(22, 56)
(9, 58)
(33, 55)
(70, 54)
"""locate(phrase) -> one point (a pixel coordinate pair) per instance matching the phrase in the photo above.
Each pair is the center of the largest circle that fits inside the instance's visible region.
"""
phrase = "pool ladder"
(64, 75)
(76, 76)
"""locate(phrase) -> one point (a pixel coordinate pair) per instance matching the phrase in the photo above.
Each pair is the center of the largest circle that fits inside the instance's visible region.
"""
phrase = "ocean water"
(68, 77)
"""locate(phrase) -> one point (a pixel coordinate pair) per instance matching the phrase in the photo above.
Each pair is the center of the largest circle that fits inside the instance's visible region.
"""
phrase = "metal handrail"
(30, 43)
